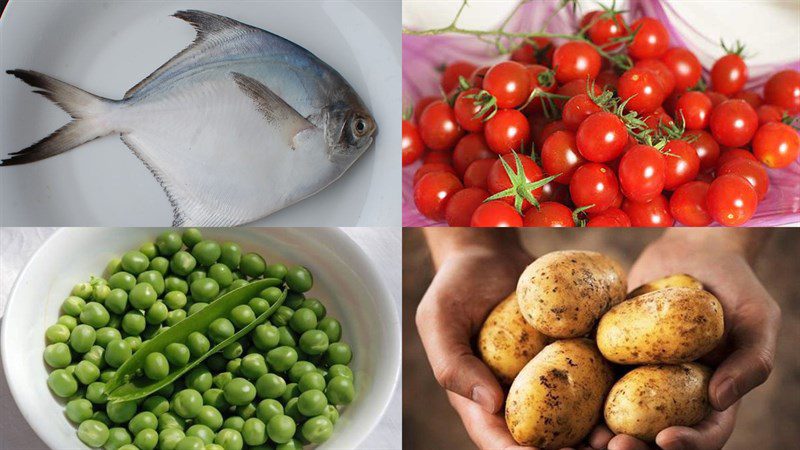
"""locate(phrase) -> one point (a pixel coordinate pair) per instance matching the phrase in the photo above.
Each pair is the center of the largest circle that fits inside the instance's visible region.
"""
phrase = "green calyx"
(521, 189)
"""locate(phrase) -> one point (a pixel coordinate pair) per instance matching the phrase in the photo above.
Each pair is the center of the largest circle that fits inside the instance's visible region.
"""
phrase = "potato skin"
(668, 326)
(558, 396)
(507, 342)
(562, 294)
(677, 280)
(649, 399)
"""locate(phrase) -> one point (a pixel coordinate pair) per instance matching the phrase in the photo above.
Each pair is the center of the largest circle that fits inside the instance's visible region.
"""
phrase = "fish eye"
(360, 126)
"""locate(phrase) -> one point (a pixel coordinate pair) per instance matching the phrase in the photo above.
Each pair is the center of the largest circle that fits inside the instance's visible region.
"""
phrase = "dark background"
(768, 417)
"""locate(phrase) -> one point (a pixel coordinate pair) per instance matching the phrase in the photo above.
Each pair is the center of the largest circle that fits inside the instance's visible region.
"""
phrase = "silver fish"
(238, 125)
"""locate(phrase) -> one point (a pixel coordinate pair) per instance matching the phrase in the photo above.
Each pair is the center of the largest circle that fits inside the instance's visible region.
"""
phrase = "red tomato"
(654, 213)
(642, 171)
(716, 97)
(657, 117)
(594, 184)
(459, 209)
(432, 193)
(684, 65)
(601, 137)
(696, 108)
(783, 90)
(498, 179)
(421, 105)
(438, 127)
(734, 153)
(751, 97)
(509, 83)
(508, 130)
(560, 156)
(574, 88)
(465, 110)
(549, 214)
(733, 123)
(642, 89)
(477, 173)
(476, 79)
(470, 148)
(412, 143)
(607, 79)
(729, 74)
(612, 217)
(651, 41)
(707, 149)
(438, 157)
(554, 192)
(683, 164)
(769, 113)
(688, 204)
(548, 130)
(539, 52)
(577, 109)
(454, 70)
(602, 30)
(731, 200)
(665, 76)
(496, 214)
(430, 168)
(777, 145)
(576, 60)
(543, 79)
(753, 171)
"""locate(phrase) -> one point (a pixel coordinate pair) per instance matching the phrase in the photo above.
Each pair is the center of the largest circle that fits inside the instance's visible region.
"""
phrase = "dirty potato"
(562, 294)
(678, 280)
(668, 326)
(558, 396)
(506, 342)
(649, 399)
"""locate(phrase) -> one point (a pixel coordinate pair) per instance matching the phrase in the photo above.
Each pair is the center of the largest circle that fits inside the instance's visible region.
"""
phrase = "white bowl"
(344, 279)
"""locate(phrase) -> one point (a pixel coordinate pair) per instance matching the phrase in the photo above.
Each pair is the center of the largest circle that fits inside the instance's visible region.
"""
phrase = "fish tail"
(87, 110)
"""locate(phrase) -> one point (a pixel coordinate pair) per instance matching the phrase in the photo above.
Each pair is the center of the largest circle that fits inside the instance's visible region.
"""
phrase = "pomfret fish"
(240, 124)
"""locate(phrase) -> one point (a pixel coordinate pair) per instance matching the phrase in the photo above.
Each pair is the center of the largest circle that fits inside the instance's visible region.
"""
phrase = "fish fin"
(86, 109)
(274, 109)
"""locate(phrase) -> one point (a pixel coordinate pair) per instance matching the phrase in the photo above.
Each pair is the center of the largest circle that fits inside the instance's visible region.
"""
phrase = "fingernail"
(726, 393)
(483, 397)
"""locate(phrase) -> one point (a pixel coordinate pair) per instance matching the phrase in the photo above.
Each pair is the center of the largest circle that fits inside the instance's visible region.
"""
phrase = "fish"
(240, 124)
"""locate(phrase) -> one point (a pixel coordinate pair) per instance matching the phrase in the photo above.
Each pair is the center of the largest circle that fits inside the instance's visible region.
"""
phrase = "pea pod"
(128, 383)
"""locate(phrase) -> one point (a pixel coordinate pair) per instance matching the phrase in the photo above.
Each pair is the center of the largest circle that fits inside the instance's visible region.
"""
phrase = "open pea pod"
(126, 385)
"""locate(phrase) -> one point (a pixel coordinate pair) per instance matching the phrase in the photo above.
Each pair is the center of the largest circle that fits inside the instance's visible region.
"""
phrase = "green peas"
(191, 236)
(195, 275)
(57, 333)
(299, 279)
(93, 433)
(175, 300)
(176, 284)
(160, 265)
(311, 380)
(252, 265)
(117, 301)
(190, 443)
(316, 306)
(239, 391)
(197, 307)
(339, 353)
(317, 429)
(204, 289)
(168, 438)
(96, 393)
(270, 386)
(146, 439)
(171, 420)
(253, 366)
(169, 242)
(281, 316)
(105, 335)
(86, 372)
(82, 290)
(267, 409)
(68, 321)
(117, 438)
(340, 391)
(182, 263)
(73, 305)
(276, 270)
(206, 252)
(135, 262)
(331, 327)
(121, 412)
(311, 403)
(113, 266)
(234, 423)
(100, 292)
(156, 366)
(134, 341)
(258, 305)
(187, 403)
(102, 417)
(220, 329)
(265, 337)
(134, 323)
(157, 313)
(142, 296)
(174, 317)
(340, 370)
(287, 337)
(282, 358)
(57, 355)
(177, 354)
(254, 431)
(281, 428)
(143, 421)
(229, 439)
(79, 410)
(314, 342)
(237, 283)
(331, 413)
(242, 315)
(198, 344)
(271, 294)
(95, 315)
(293, 444)
(82, 338)
(149, 249)
(201, 431)
(210, 417)
(117, 352)
(221, 274)
(230, 254)
(122, 280)
(302, 320)
(294, 300)
(299, 369)
(154, 278)
(199, 379)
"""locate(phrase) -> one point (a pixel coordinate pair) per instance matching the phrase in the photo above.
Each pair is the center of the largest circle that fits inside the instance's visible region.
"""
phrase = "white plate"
(344, 279)
(107, 47)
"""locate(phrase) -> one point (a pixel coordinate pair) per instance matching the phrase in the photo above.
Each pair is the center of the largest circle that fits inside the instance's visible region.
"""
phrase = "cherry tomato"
(642, 171)
(783, 90)
(421, 105)
(576, 60)
(604, 28)
(642, 89)
(549, 214)
(707, 149)
(543, 79)
(496, 214)
(716, 97)
(769, 113)
(430, 168)
(453, 71)
(696, 108)
(753, 171)
(777, 145)
(560, 156)
(731, 200)
(665, 76)
(733, 123)
(498, 179)
(555, 192)
(734, 153)
(594, 184)
(509, 83)
(688, 204)
(538, 52)
(459, 209)
(477, 173)
(508, 130)
(547, 130)
(470, 148)
(574, 88)
(601, 137)
(654, 213)
(682, 162)
(606, 79)
(577, 109)
(444, 157)
(651, 41)
(684, 65)
(750, 97)
(465, 110)
(612, 217)
(476, 79)
(657, 117)
(412, 143)
(432, 193)
(438, 127)
(729, 74)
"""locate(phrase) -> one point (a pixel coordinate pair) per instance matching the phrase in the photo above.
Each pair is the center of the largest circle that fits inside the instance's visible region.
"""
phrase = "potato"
(558, 396)
(562, 294)
(506, 342)
(678, 280)
(668, 326)
(649, 399)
